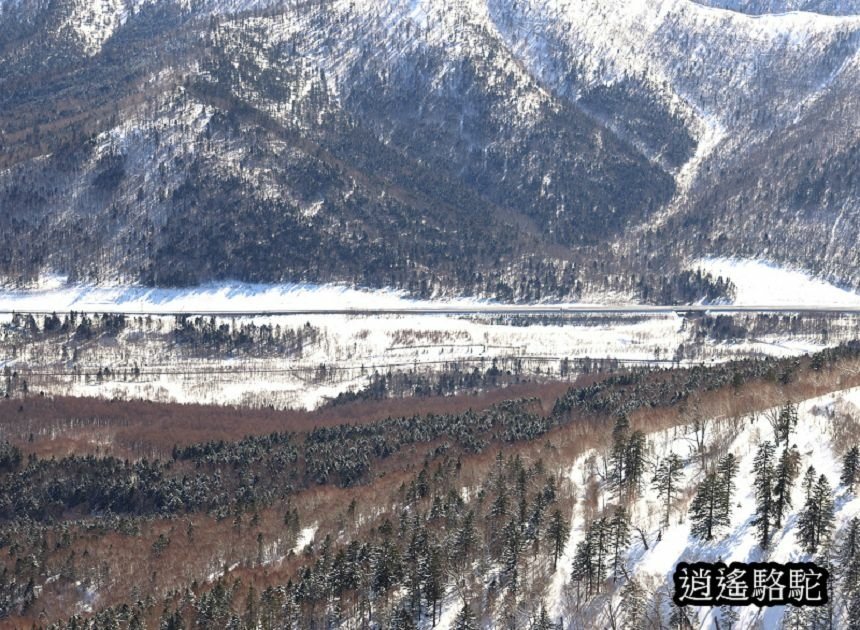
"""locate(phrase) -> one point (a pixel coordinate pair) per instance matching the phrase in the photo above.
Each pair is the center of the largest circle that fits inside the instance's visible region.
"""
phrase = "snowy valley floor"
(303, 361)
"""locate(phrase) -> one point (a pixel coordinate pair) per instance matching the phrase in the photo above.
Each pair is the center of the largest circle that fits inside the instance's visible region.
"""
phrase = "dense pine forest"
(284, 519)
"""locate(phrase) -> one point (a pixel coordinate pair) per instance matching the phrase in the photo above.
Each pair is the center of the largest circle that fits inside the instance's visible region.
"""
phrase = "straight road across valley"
(478, 309)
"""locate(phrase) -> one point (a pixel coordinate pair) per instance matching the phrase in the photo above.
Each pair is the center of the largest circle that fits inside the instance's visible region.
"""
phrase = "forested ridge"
(201, 144)
(513, 150)
(263, 491)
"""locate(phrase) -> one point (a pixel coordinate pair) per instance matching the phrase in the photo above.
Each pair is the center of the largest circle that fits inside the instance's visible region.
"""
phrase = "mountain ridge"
(508, 150)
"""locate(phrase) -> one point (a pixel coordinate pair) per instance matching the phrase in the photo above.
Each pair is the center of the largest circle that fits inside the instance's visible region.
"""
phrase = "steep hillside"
(792, 194)
(519, 150)
(661, 539)
(293, 150)
(760, 7)
(459, 514)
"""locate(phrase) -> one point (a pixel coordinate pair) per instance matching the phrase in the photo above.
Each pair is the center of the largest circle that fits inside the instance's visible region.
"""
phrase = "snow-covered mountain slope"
(489, 147)
(717, 64)
(75, 27)
(725, 77)
(825, 429)
(759, 7)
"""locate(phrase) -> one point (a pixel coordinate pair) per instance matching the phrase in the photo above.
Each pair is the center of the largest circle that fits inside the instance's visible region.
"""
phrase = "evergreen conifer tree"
(511, 554)
(786, 472)
(667, 482)
(542, 620)
(618, 457)
(849, 557)
(763, 487)
(466, 619)
(785, 424)
(402, 620)
(727, 470)
(729, 617)
(558, 530)
(634, 463)
(816, 520)
(619, 539)
(707, 513)
(589, 561)
(434, 589)
(633, 605)
(849, 467)
(808, 484)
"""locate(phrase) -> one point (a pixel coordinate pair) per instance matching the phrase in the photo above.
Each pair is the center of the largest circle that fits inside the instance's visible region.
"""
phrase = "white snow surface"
(758, 282)
(653, 567)
(359, 345)
(762, 283)
(53, 293)
(305, 537)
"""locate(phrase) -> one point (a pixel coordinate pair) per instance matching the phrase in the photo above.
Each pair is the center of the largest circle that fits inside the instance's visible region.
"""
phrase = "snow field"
(654, 566)
(358, 345)
(760, 282)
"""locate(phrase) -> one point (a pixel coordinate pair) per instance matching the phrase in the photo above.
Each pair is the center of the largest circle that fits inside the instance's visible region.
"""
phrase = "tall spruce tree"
(618, 457)
(824, 500)
(634, 463)
(763, 487)
(466, 619)
(816, 520)
(682, 617)
(854, 605)
(849, 467)
(534, 527)
(786, 423)
(619, 539)
(416, 560)
(825, 616)
(542, 621)
(521, 491)
(849, 559)
(729, 617)
(434, 590)
(634, 605)
(627, 459)
(400, 620)
(808, 484)
(465, 538)
(557, 531)
(511, 554)
(786, 472)
(795, 618)
(727, 470)
(667, 481)
(707, 512)
(583, 571)
(601, 532)
(589, 560)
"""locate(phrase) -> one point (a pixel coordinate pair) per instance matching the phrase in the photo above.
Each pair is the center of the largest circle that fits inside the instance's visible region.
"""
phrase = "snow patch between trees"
(760, 282)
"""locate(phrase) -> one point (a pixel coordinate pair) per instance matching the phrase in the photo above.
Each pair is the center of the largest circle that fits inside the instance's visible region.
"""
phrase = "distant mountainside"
(514, 149)
(760, 7)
